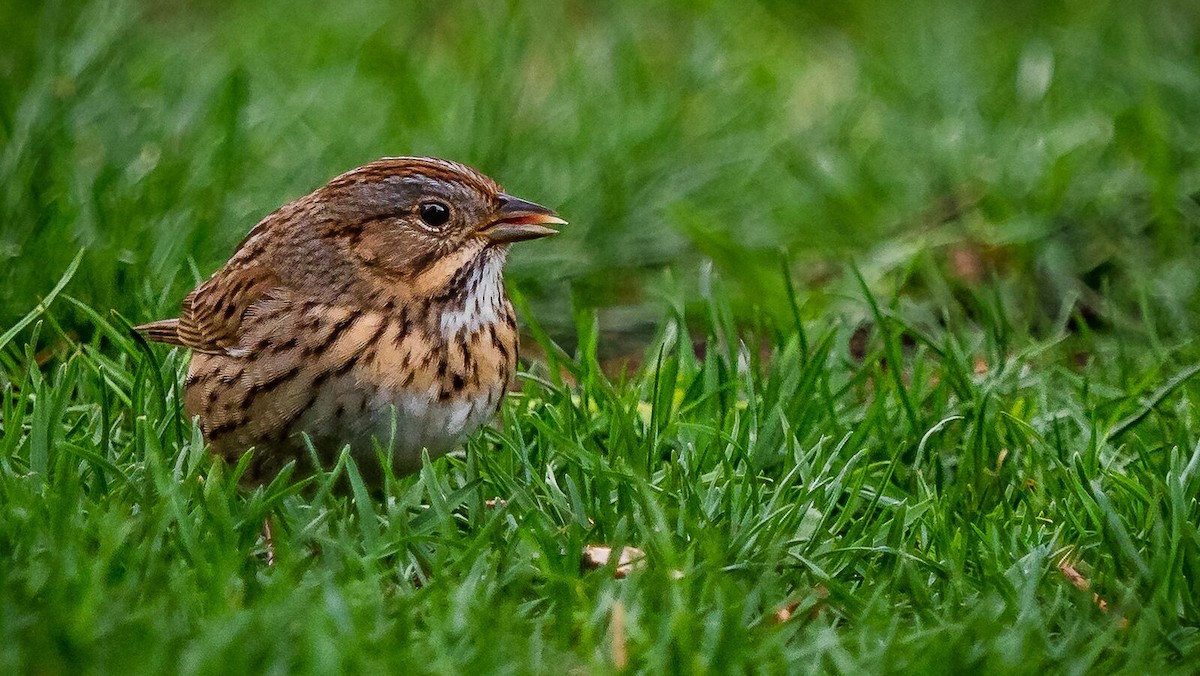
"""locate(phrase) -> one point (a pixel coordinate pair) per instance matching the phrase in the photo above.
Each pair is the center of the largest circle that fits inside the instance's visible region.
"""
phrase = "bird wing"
(212, 316)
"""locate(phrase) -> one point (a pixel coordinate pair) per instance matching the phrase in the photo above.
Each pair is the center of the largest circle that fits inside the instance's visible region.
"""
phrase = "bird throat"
(474, 297)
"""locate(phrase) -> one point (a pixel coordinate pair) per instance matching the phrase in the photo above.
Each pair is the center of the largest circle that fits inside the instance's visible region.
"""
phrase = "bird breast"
(415, 390)
(410, 379)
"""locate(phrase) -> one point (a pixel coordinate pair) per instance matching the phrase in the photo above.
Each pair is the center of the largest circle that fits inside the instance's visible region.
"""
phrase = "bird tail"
(162, 331)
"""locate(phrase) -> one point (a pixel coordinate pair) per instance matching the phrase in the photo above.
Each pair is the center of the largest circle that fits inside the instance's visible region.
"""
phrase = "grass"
(879, 315)
(919, 518)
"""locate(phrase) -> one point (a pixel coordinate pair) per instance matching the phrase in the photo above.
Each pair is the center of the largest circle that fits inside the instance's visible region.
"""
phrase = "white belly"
(408, 422)
(421, 421)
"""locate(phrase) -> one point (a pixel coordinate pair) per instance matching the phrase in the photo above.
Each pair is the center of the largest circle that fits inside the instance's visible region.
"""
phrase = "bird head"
(421, 219)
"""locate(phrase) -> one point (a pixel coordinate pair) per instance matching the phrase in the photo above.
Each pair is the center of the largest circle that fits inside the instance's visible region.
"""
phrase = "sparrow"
(370, 313)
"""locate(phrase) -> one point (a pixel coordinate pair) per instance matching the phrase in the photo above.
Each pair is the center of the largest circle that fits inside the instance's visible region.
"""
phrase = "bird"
(370, 314)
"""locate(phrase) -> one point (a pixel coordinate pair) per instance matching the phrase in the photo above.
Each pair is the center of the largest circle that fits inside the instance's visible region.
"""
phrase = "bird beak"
(517, 220)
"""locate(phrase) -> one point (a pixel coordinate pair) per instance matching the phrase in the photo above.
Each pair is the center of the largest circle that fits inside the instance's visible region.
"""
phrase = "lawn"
(872, 332)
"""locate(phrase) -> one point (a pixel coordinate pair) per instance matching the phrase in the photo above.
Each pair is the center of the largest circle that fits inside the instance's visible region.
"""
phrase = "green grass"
(904, 299)
(917, 515)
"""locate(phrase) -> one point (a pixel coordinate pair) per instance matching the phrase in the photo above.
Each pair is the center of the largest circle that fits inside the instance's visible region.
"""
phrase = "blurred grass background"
(1052, 145)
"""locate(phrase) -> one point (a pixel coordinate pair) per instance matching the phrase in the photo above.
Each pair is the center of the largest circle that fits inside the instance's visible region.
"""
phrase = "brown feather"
(161, 331)
(212, 315)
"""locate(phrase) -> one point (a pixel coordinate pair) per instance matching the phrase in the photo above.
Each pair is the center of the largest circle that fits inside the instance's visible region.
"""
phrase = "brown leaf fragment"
(859, 342)
(268, 539)
(598, 556)
(1081, 583)
(616, 628)
(981, 366)
(784, 613)
(1073, 576)
(966, 263)
(45, 355)
(816, 597)
(1000, 457)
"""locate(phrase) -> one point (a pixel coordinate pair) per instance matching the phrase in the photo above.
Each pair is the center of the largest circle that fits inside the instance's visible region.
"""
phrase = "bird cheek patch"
(437, 274)
(394, 249)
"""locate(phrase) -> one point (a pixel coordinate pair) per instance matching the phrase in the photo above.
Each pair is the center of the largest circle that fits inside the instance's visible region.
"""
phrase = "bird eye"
(434, 213)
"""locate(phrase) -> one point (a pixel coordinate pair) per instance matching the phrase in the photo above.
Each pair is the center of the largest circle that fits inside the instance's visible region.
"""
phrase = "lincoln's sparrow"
(372, 310)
